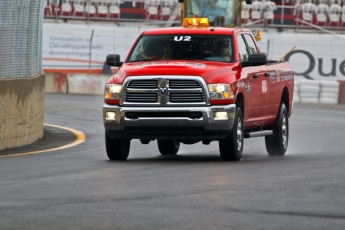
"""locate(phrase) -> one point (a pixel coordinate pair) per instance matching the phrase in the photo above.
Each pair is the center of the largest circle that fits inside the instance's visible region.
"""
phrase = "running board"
(258, 133)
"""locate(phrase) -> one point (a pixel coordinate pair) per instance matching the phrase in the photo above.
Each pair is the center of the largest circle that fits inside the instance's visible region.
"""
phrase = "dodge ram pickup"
(193, 84)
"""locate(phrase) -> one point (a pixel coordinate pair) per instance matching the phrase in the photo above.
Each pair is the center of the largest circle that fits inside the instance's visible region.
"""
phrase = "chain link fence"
(21, 24)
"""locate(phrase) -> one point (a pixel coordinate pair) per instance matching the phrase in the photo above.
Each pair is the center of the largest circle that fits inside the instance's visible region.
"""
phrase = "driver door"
(256, 85)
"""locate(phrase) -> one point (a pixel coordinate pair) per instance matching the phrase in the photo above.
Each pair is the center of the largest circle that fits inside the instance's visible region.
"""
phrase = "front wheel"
(231, 147)
(276, 145)
(168, 147)
(117, 149)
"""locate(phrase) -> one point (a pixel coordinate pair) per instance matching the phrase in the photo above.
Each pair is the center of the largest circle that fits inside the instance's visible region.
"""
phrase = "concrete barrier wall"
(21, 110)
(323, 92)
(76, 83)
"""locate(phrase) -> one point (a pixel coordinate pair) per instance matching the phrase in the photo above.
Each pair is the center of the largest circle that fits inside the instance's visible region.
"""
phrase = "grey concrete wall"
(21, 110)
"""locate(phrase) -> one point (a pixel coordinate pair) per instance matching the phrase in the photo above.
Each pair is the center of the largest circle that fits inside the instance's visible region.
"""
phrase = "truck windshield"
(211, 9)
(183, 47)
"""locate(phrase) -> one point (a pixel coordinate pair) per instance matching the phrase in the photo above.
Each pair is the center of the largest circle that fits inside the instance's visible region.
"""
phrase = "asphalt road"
(79, 188)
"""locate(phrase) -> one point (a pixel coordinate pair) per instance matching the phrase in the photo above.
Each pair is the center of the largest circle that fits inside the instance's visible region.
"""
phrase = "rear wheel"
(276, 145)
(168, 147)
(117, 149)
(231, 147)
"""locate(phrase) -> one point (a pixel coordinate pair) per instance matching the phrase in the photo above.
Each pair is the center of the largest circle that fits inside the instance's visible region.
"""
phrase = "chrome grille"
(180, 84)
(172, 91)
(187, 97)
(141, 97)
(143, 84)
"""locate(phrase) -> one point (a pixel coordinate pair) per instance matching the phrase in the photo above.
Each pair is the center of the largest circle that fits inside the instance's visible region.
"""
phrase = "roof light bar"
(195, 22)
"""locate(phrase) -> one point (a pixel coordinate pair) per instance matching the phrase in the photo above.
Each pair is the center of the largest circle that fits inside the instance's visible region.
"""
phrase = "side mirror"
(255, 60)
(113, 60)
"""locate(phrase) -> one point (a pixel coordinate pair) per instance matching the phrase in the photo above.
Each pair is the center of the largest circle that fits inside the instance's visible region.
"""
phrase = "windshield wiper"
(197, 59)
(141, 60)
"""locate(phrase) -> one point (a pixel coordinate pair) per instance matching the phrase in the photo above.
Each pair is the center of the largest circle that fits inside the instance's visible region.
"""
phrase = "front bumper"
(168, 122)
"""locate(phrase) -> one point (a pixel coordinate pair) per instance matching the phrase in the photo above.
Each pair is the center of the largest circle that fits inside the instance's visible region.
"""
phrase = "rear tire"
(168, 147)
(231, 147)
(276, 145)
(117, 149)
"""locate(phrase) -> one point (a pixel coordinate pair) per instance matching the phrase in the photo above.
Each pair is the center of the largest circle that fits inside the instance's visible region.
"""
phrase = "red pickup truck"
(197, 84)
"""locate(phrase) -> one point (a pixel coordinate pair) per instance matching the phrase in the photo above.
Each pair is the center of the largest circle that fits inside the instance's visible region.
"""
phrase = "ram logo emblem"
(163, 90)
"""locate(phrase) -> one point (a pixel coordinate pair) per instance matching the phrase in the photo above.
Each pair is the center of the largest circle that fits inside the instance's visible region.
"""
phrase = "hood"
(211, 72)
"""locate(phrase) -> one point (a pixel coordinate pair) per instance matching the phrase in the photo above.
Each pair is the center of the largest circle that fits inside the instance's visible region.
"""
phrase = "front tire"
(117, 149)
(231, 147)
(276, 145)
(168, 147)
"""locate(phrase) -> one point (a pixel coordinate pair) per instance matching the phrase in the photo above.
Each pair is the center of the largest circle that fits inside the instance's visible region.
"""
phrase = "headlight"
(112, 91)
(220, 91)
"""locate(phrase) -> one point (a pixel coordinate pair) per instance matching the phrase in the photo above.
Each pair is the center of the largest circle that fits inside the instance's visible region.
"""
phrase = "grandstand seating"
(343, 16)
(103, 9)
(321, 13)
(166, 9)
(66, 8)
(334, 14)
(135, 10)
(78, 8)
(256, 9)
(329, 14)
(151, 7)
(114, 9)
(48, 9)
(269, 8)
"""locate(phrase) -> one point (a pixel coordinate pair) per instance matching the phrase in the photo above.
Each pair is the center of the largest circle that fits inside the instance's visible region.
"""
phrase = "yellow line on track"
(80, 139)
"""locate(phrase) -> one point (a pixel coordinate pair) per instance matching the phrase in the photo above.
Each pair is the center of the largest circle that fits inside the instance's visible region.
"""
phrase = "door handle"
(255, 75)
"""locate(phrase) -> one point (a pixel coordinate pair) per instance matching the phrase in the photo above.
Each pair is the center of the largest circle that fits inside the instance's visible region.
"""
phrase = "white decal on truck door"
(247, 89)
(264, 86)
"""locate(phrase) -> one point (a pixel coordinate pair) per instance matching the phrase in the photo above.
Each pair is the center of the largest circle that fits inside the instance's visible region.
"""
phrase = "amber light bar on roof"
(195, 22)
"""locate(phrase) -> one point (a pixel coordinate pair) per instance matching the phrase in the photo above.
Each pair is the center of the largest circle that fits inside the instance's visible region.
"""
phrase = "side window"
(251, 44)
(242, 48)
